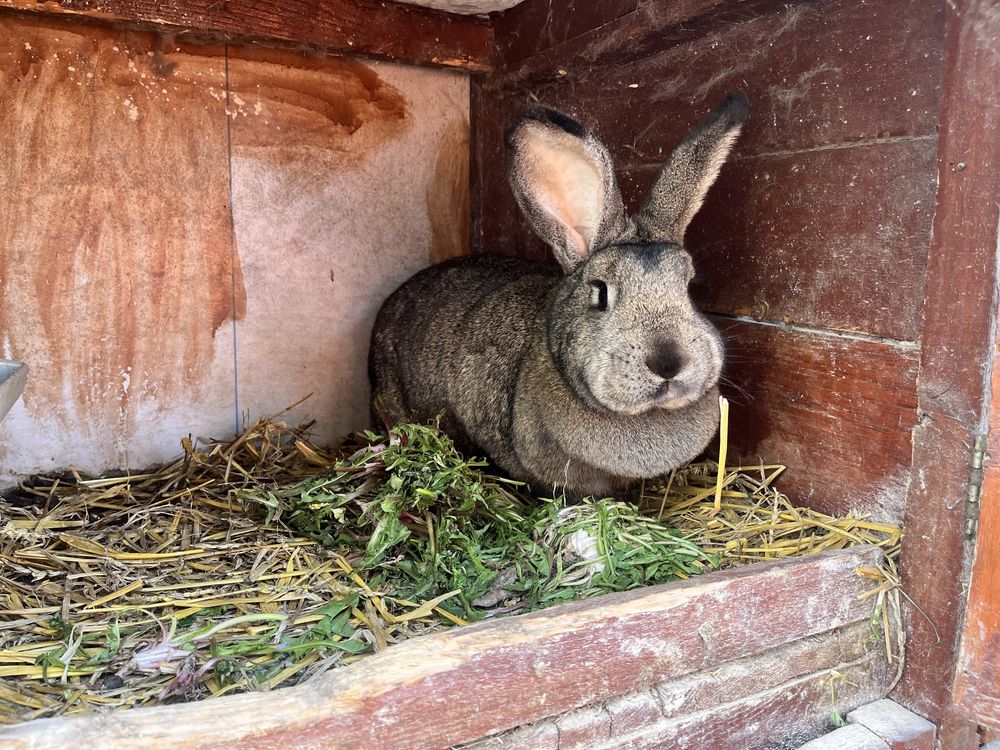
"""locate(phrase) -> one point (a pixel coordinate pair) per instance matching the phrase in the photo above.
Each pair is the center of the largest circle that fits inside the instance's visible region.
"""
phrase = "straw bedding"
(260, 562)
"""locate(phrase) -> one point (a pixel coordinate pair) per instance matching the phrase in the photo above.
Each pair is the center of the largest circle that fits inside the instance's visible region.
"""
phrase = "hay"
(127, 591)
(175, 585)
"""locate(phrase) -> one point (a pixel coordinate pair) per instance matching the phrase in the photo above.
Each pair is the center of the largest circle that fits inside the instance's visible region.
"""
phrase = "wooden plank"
(501, 674)
(816, 235)
(830, 238)
(838, 411)
(640, 715)
(960, 310)
(359, 27)
(537, 25)
(977, 679)
(120, 279)
(778, 240)
(349, 178)
(698, 710)
(817, 73)
(782, 717)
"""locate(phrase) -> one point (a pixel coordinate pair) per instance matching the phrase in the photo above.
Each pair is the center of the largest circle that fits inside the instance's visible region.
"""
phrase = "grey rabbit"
(586, 377)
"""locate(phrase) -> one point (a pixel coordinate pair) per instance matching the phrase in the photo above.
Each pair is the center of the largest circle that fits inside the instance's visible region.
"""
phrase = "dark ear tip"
(545, 116)
(734, 107)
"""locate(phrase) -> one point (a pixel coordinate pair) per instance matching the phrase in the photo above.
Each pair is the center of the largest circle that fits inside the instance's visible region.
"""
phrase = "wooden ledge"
(372, 28)
(467, 683)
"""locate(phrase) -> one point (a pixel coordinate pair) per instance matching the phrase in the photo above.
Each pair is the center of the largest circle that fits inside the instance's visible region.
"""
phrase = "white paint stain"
(131, 110)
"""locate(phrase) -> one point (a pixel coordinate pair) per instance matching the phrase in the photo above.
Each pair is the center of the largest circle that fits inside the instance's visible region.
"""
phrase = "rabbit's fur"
(585, 377)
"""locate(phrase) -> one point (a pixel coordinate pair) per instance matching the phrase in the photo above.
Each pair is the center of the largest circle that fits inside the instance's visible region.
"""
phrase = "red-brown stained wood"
(496, 675)
(824, 237)
(537, 25)
(837, 411)
(362, 27)
(977, 680)
(815, 238)
(836, 71)
(971, 210)
(960, 310)
(119, 275)
(705, 692)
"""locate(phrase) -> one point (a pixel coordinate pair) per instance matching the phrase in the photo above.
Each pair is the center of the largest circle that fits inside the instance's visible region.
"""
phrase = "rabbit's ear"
(690, 171)
(564, 183)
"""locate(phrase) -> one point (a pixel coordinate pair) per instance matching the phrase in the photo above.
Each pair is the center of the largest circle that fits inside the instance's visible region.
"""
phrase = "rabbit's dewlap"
(586, 376)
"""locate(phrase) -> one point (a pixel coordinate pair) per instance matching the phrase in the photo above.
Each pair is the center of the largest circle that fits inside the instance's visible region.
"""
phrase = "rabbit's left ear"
(564, 182)
(690, 171)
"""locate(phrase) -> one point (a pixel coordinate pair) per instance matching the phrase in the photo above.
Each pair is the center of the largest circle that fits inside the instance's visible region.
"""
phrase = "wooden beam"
(467, 683)
(371, 28)
(759, 702)
(977, 680)
(959, 318)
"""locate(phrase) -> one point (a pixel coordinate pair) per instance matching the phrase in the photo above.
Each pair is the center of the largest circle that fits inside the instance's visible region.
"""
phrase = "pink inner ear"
(568, 185)
(576, 242)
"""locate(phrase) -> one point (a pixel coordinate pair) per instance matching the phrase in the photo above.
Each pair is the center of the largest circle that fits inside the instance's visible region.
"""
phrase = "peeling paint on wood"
(121, 273)
(118, 272)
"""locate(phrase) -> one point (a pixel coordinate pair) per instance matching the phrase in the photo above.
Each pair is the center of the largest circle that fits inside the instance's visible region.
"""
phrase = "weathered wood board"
(347, 179)
(167, 270)
(836, 410)
(821, 219)
(959, 350)
(119, 279)
(359, 27)
(500, 674)
(768, 700)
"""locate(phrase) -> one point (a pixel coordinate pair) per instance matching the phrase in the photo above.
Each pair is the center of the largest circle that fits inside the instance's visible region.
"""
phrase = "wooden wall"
(848, 250)
(166, 269)
(812, 246)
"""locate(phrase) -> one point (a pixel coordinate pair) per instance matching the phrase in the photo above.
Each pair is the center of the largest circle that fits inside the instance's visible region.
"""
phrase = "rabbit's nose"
(666, 362)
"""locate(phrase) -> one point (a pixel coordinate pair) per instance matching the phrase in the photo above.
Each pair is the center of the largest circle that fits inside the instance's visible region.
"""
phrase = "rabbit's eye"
(598, 296)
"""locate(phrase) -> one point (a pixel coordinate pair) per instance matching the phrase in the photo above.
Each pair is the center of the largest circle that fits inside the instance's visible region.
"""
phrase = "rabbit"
(588, 376)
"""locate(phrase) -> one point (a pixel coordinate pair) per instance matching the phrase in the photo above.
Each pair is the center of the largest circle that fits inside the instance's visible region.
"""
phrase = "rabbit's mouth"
(675, 394)
(669, 395)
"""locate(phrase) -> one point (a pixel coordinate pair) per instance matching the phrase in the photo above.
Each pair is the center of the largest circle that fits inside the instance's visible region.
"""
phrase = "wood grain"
(817, 73)
(960, 312)
(782, 717)
(813, 238)
(837, 411)
(360, 27)
(822, 218)
(537, 25)
(816, 238)
(500, 674)
(977, 678)
(700, 707)
(965, 240)
(120, 280)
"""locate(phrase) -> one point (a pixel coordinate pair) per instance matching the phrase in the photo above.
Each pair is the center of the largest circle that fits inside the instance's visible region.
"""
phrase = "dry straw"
(152, 587)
